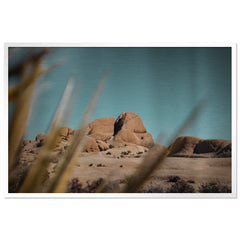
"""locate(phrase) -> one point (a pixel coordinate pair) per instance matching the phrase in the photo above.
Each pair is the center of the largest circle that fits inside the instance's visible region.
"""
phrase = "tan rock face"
(65, 135)
(129, 128)
(98, 132)
(89, 145)
(184, 145)
(102, 145)
(102, 128)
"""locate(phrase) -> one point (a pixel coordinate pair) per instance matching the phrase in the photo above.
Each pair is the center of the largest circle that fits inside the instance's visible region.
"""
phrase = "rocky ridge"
(198, 147)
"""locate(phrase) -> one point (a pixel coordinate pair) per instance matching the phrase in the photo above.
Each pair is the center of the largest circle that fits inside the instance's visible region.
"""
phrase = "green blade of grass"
(21, 113)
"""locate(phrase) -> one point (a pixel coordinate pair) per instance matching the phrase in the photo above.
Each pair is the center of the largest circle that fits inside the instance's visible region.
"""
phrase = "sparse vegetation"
(76, 187)
(101, 165)
(180, 187)
(173, 178)
(157, 189)
(214, 188)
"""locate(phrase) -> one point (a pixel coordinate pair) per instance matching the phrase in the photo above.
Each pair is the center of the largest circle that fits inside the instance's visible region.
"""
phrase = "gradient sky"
(161, 84)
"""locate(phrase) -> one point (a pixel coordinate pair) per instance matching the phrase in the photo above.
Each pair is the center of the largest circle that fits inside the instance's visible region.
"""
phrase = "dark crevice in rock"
(118, 125)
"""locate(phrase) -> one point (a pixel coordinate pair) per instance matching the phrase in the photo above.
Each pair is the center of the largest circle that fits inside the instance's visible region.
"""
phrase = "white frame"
(132, 195)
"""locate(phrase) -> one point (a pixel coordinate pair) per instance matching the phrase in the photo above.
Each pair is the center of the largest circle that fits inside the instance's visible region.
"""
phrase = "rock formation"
(102, 128)
(103, 132)
(129, 128)
(97, 134)
(184, 145)
(198, 147)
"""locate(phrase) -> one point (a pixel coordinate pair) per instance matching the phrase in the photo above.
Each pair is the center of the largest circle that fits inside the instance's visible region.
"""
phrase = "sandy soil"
(116, 167)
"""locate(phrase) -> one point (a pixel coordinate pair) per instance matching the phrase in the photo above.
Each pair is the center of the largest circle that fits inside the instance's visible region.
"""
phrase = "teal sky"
(161, 84)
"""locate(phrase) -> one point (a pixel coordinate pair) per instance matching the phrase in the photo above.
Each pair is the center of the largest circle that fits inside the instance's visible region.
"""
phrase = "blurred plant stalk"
(22, 96)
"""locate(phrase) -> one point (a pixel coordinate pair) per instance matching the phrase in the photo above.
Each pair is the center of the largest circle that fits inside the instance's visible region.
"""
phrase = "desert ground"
(115, 168)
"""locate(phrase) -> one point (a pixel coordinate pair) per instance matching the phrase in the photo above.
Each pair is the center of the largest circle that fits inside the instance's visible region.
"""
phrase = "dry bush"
(156, 189)
(76, 187)
(173, 178)
(214, 188)
(180, 187)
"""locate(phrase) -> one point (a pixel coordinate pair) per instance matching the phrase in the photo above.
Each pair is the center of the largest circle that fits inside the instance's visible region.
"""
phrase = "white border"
(133, 195)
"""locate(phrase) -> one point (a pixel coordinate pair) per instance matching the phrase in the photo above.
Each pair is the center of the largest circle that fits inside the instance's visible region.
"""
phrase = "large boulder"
(129, 128)
(226, 151)
(102, 132)
(64, 133)
(97, 133)
(184, 145)
(102, 145)
(211, 145)
(89, 145)
(101, 128)
(198, 147)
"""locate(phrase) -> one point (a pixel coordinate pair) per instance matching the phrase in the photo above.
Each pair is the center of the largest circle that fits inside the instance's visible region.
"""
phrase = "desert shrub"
(157, 189)
(122, 181)
(111, 187)
(124, 153)
(191, 181)
(76, 187)
(140, 153)
(101, 165)
(111, 146)
(213, 188)
(20, 174)
(180, 187)
(173, 178)
(108, 153)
